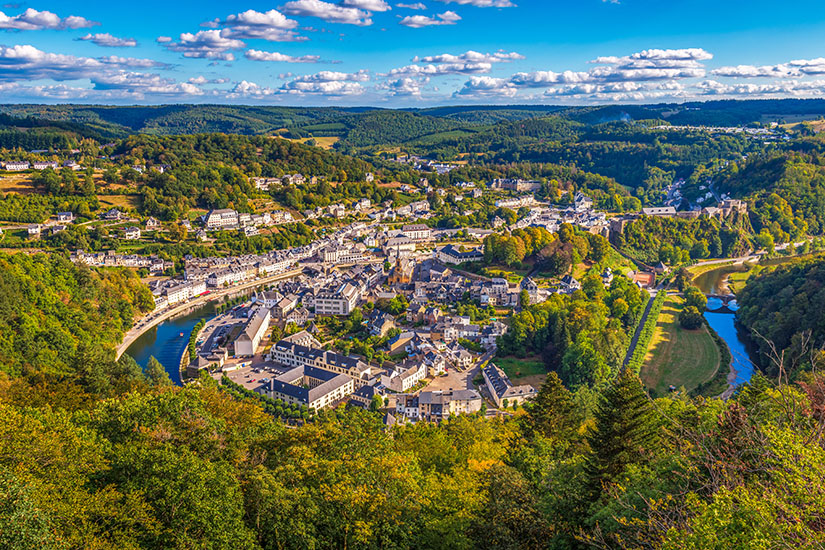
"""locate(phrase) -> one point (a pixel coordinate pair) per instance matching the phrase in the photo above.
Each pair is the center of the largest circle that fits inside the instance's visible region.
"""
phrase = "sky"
(409, 53)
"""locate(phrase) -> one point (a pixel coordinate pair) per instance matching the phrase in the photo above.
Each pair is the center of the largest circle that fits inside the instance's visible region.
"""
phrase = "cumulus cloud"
(408, 87)
(419, 21)
(212, 44)
(796, 88)
(367, 5)
(487, 86)
(250, 24)
(471, 56)
(108, 41)
(416, 6)
(796, 68)
(33, 20)
(258, 55)
(331, 13)
(144, 83)
(330, 83)
(25, 62)
(482, 3)
(441, 69)
(200, 80)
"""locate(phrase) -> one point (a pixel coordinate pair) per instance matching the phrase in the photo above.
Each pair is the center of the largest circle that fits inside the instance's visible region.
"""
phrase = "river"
(168, 340)
(715, 282)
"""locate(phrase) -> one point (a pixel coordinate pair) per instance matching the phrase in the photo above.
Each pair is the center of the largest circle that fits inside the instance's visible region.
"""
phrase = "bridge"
(725, 299)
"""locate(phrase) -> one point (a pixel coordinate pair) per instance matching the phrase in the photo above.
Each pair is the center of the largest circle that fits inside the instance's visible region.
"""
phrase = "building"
(582, 202)
(341, 301)
(183, 291)
(257, 325)
(514, 184)
(224, 218)
(311, 386)
(417, 232)
(33, 231)
(152, 223)
(452, 255)
(661, 211)
(301, 350)
(131, 233)
(405, 377)
(65, 217)
(434, 406)
(16, 166)
(502, 389)
(43, 164)
(112, 215)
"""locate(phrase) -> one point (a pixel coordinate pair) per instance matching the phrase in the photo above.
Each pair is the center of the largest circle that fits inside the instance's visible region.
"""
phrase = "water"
(168, 340)
(725, 326)
(713, 281)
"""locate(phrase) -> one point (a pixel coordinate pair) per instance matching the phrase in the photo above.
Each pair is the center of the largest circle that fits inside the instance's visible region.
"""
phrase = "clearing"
(678, 356)
(119, 201)
(518, 369)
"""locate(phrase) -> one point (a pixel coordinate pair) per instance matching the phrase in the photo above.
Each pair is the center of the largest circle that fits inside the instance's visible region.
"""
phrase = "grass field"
(16, 183)
(119, 201)
(325, 142)
(516, 369)
(678, 356)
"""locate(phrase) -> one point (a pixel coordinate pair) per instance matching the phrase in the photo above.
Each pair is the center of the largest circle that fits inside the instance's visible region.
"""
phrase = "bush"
(690, 318)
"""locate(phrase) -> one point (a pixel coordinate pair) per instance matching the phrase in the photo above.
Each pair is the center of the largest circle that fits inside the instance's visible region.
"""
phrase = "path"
(638, 333)
(153, 319)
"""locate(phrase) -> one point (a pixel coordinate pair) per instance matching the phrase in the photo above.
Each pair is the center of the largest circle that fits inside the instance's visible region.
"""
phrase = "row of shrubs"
(193, 338)
(638, 357)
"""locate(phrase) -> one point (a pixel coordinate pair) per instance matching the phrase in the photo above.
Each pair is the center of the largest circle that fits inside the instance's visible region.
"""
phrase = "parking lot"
(252, 376)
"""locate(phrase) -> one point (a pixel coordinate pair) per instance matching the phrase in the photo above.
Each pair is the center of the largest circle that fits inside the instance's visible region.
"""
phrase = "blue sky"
(410, 53)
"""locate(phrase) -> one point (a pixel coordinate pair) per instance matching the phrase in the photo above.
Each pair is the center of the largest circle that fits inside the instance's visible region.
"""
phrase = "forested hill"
(784, 307)
(405, 125)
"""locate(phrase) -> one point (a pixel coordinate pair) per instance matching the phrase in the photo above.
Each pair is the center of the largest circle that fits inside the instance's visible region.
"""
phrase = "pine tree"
(156, 373)
(625, 430)
(551, 413)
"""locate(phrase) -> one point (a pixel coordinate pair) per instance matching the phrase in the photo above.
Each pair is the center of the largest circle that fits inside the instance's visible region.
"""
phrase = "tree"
(624, 432)
(156, 373)
(695, 298)
(690, 318)
(524, 298)
(376, 403)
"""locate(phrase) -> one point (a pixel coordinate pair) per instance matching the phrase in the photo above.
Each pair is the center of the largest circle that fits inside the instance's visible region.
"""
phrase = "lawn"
(119, 201)
(517, 368)
(16, 183)
(677, 356)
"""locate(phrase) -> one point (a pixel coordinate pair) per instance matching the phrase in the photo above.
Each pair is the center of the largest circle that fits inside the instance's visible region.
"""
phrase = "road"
(153, 319)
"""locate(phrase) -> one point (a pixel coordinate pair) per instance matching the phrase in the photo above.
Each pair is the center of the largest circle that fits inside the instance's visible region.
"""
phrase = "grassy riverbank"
(678, 356)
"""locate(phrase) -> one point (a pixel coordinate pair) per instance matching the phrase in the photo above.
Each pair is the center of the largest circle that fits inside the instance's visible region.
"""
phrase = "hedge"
(638, 357)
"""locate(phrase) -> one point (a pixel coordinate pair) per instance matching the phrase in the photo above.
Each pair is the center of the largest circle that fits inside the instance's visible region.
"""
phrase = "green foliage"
(634, 365)
(784, 308)
(577, 336)
(62, 321)
(690, 318)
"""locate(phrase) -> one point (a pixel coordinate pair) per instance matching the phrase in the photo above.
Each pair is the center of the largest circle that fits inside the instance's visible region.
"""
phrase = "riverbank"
(677, 356)
(154, 319)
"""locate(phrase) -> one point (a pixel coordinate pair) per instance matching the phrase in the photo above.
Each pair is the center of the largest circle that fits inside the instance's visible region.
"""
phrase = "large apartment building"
(340, 301)
(224, 218)
(311, 386)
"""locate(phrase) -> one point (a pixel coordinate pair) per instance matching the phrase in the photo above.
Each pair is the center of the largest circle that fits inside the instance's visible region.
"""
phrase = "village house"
(314, 387)
(65, 217)
(502, 389)
(450, 254)
(131, 233)
(43, 164)
(16, 166)
(220, 219)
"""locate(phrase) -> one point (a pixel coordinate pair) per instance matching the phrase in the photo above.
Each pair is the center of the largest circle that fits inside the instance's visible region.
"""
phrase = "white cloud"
(144, 83)
(25, 62)
(271, 25)
(106, 40)
(482, 3)
(331, 13)
(33, 20)
(541, 79)
(471, 56)
(795, 68)
(200, 80)
(441, 69)
(795, 88)
(486, 86)
(212, 44)
(409, 87)
(330, 83)
(258, 55)
(367, 5)
(416, 6)
(419, 21)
